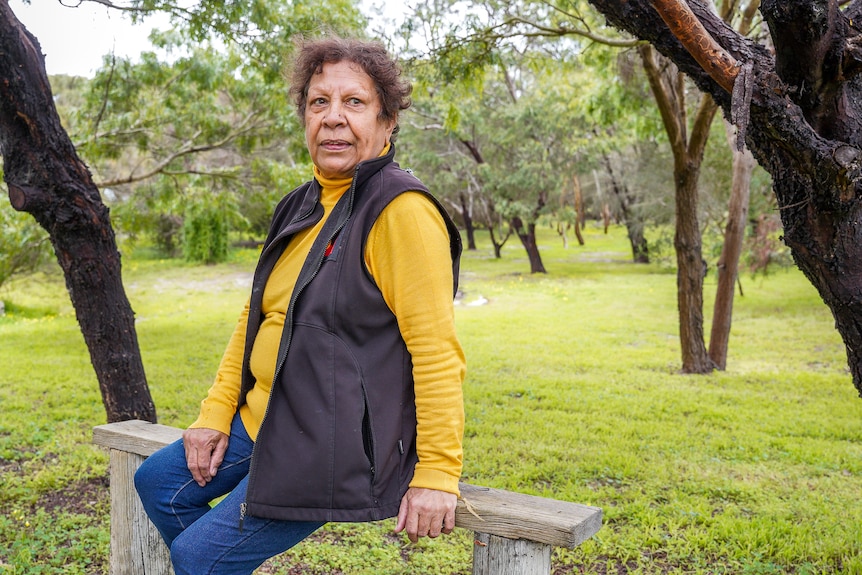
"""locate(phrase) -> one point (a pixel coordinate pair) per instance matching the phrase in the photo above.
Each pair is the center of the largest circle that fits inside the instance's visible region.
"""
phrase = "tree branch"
(187, 149)
(549, 31)
(104, 104)
(700, 129)
(665, 100)
(715, 60)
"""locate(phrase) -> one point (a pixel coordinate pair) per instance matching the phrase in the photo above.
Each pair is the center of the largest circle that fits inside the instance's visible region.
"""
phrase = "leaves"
(24, 246)
(206, 108)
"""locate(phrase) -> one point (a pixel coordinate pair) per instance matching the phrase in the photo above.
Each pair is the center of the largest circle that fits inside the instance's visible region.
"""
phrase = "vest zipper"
(284, 346)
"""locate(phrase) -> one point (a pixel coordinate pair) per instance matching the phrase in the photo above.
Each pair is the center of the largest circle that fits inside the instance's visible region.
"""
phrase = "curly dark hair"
(392, 89)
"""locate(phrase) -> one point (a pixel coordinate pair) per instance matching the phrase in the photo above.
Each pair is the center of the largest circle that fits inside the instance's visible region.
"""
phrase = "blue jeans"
(207, 540)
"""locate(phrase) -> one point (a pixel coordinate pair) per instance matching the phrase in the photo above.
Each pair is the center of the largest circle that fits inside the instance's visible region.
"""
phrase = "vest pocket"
(367, 434)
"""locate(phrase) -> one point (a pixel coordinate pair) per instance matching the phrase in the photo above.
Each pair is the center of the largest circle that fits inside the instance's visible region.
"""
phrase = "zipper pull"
(241, 515)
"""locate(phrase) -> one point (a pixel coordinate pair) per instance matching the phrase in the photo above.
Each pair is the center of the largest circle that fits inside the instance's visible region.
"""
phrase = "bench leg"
(136, 546)
(493, 555)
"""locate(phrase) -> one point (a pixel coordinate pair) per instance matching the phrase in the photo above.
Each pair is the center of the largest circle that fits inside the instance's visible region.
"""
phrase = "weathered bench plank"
(515, 532)
(140, 437)
(521, 516)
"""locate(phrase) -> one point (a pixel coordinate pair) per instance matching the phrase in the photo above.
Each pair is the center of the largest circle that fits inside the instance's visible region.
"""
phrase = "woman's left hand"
(426, 513)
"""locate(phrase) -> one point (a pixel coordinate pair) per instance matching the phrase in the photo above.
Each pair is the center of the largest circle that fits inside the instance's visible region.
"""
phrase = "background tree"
(444, 163)
(798, 110)
(686, 123)
(202, 111)
(47, 178)
(515, 121)
(624, 150)
(734, 234)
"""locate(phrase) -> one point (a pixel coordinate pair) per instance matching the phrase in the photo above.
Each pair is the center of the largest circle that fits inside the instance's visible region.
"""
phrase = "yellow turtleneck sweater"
(408, 256)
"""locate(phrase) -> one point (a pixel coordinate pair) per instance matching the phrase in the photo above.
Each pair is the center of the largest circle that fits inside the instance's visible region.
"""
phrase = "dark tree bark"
(498, 245)
(467, 217)
(46, 178)
(691, 270)
(527, 235)
(494, 221)
(801, 114)
(580, 213)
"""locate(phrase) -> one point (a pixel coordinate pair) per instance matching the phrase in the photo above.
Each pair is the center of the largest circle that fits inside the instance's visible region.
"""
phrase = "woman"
(339, 395)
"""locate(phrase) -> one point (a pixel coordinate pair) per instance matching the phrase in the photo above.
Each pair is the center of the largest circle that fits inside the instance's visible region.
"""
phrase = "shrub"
(205, 232)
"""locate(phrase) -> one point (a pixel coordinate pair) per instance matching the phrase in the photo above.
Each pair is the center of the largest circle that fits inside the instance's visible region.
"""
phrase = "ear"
(390, 127)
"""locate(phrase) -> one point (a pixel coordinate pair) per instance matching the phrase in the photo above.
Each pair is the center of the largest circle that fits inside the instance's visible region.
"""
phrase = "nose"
(334, 116)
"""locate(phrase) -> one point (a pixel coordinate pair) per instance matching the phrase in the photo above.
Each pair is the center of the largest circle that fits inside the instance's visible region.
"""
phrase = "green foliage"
(69, 95)
(205, 235)
(271, 180)
(572, 393)
(503, 148)
(262, 30)
(209, 217)
(24, 245)
(208, 101)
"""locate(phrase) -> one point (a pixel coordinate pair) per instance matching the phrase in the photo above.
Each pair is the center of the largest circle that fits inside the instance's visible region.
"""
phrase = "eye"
(354, 101)
(320, 101)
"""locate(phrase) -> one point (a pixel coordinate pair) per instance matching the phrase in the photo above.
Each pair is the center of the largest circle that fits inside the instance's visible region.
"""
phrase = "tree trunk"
(669, 91)
(634, 225)
(691, 270)
(728, 262)
(580, 214)
(498, 246)
(562, 228)
(606, 217)
(578, 234)
(492, 221)
(467, 216)
(527, 235)
(640, 247)
(801, 113)
(46, 178)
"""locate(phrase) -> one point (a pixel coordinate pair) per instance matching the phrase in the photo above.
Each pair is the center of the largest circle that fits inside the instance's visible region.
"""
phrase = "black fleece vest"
(338, 441)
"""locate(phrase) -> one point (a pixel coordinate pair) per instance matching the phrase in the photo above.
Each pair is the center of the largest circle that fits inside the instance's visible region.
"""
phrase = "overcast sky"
(75, 36)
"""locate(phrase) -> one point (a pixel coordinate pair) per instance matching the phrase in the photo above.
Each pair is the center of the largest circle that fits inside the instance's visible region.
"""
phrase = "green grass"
(572, 393)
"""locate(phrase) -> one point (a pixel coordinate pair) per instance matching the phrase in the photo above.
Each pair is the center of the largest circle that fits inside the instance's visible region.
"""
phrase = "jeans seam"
(189, 482)
(250, 534)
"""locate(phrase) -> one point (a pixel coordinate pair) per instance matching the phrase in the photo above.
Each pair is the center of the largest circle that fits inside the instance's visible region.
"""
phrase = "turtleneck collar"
(333, 188)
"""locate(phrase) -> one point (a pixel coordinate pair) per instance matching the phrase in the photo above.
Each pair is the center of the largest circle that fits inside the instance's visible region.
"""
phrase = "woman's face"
(342, 123)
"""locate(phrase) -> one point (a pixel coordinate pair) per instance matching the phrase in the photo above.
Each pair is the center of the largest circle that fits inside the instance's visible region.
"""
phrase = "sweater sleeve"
(408, 256)
(219, 406)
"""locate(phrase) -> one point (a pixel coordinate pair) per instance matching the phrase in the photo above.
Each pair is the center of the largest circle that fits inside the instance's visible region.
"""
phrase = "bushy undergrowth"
(573, 393)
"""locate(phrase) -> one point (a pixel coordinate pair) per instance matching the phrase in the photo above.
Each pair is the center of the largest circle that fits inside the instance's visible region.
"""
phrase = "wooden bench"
(514, 532)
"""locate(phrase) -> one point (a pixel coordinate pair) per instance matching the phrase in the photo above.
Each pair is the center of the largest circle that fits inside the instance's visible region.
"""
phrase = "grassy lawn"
(573, 393)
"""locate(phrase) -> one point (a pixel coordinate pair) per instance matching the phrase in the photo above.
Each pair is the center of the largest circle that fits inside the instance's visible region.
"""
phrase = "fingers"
(449, 522)
(218, 455)
(193, 458)
(401, 522)
(426, 513)
(205, 449)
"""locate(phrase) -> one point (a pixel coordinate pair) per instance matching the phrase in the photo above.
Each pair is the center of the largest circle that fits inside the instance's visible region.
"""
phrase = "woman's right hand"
(205, 449)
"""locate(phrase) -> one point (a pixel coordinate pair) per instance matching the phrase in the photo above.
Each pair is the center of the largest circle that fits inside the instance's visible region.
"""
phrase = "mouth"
(334, 145)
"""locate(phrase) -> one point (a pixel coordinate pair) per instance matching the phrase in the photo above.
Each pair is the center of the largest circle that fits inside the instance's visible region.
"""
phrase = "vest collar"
(365, 169)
